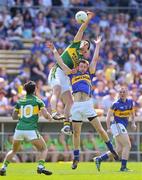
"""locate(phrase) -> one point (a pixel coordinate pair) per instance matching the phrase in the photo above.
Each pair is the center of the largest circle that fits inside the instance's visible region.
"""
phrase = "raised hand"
(50, 45)
(98, 40)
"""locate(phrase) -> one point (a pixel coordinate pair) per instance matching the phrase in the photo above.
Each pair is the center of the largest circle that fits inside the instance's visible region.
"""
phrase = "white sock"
(40, 166)
(4, 167)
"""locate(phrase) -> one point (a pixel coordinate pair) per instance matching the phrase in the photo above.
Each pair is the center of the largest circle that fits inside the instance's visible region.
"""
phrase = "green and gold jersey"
(71, 55)
(28, 109)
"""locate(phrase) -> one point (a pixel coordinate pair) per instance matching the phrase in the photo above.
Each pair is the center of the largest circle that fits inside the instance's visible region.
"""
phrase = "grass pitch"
(63, 171)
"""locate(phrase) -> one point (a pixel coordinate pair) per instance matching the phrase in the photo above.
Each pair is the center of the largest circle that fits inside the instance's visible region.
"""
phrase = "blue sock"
(110, 147)
(104, 157)
(76, 154)
(123, 163)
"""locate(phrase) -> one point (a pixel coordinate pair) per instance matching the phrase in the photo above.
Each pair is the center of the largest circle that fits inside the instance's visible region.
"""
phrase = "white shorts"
(118, 129)
(81, 111)
(59, 78)
(26, 135)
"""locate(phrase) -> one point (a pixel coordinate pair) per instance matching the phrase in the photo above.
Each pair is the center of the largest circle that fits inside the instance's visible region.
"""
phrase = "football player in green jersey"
(60, 82)
(27, 112)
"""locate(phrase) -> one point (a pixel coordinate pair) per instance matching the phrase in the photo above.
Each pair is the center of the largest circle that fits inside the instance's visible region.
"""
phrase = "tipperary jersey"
(122, 111)
(71, 55)
(81, 82)
(28, 109)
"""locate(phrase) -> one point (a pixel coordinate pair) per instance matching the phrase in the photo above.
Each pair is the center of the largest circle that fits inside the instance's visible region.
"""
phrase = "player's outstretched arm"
(79, 35)
(58, 58)
(46, 114)
(95, 58)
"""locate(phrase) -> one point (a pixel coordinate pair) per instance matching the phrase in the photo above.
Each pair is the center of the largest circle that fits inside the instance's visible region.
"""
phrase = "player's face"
(123, 93)
(84, 47)
(83, 67)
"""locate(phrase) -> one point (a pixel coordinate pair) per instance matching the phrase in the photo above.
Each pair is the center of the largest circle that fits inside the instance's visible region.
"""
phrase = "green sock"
(41, 164)
(5, 164)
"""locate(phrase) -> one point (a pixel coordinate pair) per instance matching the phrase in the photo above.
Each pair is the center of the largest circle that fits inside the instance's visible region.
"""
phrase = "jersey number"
(27, 111)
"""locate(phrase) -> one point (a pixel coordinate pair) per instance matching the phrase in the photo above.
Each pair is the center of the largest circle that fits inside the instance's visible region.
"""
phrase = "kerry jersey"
(28, 109)
(71, 55)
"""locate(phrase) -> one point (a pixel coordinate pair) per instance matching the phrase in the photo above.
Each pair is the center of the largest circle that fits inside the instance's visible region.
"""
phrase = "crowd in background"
(120, 61)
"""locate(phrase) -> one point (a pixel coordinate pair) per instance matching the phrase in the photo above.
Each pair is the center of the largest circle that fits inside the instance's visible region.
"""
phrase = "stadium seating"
(12, 60)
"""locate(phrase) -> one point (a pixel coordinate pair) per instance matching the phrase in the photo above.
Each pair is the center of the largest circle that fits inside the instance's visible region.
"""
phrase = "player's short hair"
(30, 87)
(85, 41)
(84, 61)
(123, 88)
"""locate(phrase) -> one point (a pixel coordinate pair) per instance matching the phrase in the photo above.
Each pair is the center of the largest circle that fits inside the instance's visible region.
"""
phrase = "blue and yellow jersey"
(81, 82)
(122, 111)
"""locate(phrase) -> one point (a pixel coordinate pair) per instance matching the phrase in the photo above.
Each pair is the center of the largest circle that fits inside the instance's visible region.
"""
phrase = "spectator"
(108, 100)
(38, 45)
(132, 65)
(15, 33)
(3, 74)
(4, 104)
(36, 70)
(4, 42)
(28, 25)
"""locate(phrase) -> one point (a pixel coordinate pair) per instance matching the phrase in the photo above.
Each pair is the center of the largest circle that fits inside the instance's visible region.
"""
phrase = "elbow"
(14, 118)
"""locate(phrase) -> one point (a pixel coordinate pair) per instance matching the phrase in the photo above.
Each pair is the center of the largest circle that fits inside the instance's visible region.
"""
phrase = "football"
(81, 17)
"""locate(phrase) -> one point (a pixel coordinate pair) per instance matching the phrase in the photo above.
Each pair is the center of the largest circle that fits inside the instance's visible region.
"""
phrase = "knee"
(76, 133)
(69, 102)
(14, 151)
(100, 130)
(57, 90)
(128, 145)
(119, 152)
(42, 147)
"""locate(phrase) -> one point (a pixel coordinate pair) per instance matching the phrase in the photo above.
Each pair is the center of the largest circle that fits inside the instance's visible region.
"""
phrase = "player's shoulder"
(130, 101)
(116, 103)
(22, 99)
(38, 100)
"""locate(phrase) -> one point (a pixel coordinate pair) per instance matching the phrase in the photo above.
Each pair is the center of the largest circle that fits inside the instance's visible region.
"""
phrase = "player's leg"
(126, 146)
(97, 125)
(76, 142)
(119, 147)
(56, 92)
(68, 101)
(41, 147)
(9, 156)
(108, 154)
(54, 80)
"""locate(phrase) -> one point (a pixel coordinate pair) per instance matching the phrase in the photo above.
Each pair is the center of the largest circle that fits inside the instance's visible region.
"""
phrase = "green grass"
(63, 171)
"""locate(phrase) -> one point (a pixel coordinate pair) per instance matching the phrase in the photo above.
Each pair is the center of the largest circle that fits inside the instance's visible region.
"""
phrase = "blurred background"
(25, 25)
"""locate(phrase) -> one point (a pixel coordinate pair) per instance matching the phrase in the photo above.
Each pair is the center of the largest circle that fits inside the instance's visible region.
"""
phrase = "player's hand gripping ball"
(81, 17)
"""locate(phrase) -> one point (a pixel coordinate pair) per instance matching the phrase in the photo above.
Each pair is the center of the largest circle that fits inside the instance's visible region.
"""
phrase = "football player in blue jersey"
(121, 110)
(83, 106)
